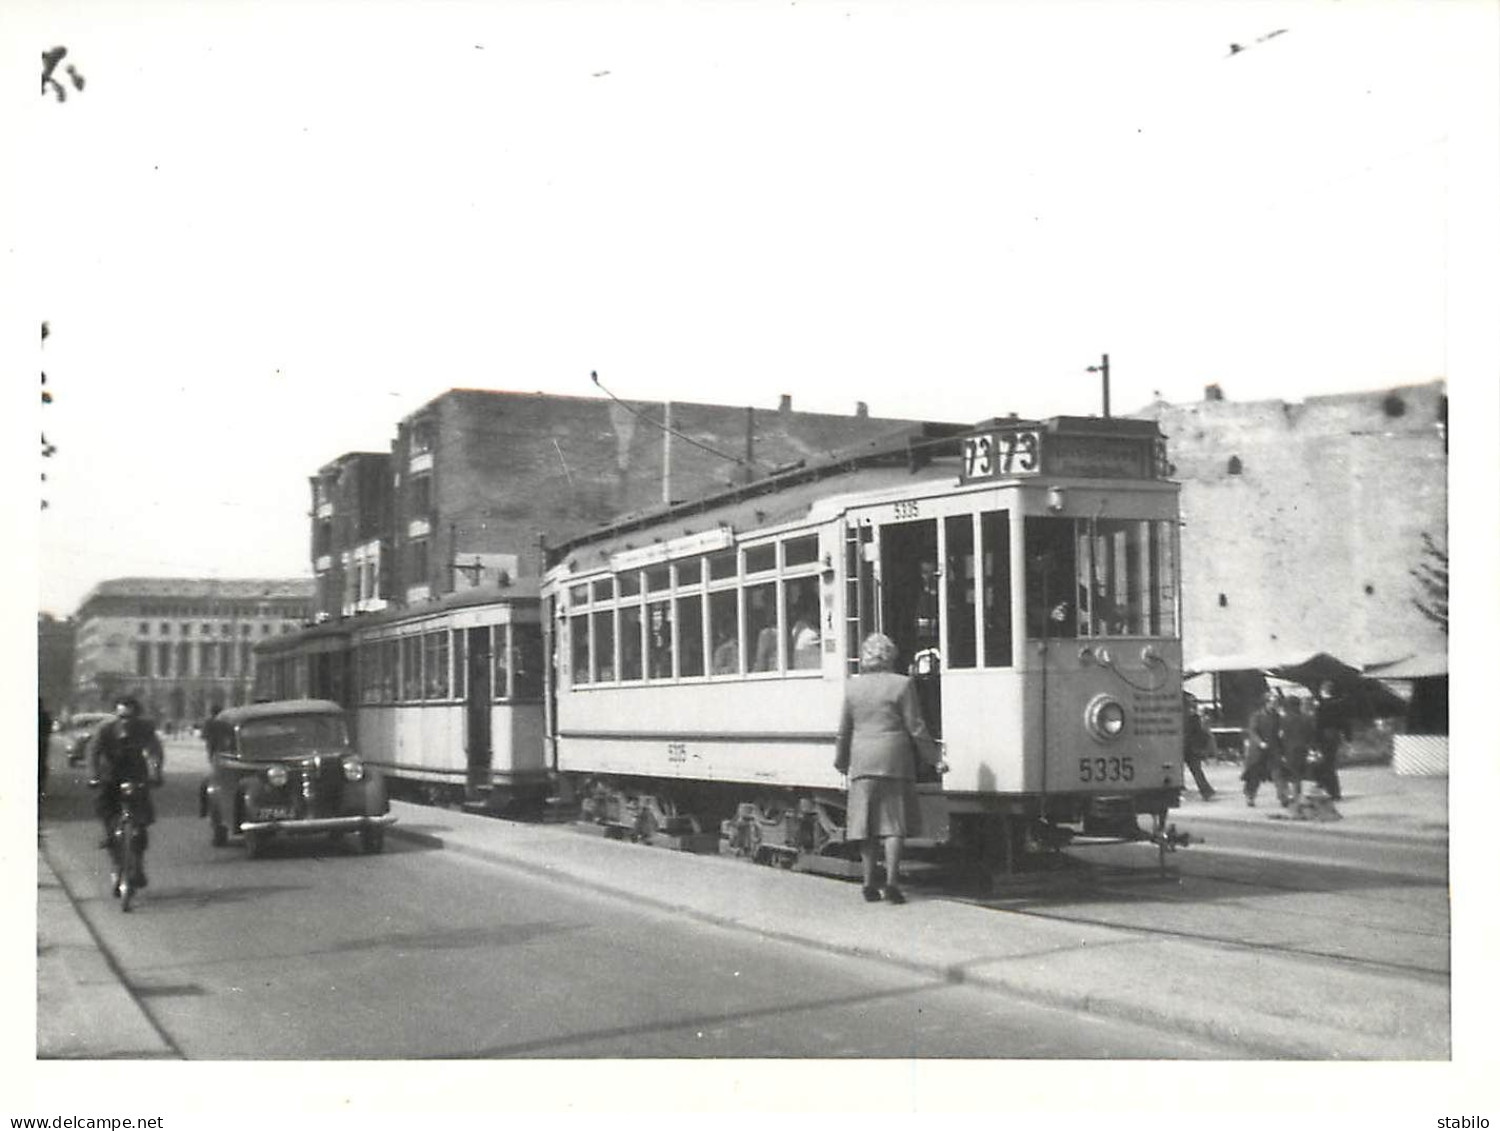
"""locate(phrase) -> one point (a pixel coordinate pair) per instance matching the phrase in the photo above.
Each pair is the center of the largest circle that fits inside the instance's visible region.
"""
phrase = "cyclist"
(120, 752)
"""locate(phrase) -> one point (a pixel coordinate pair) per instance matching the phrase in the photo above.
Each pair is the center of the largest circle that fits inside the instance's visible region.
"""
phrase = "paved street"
(319, 952)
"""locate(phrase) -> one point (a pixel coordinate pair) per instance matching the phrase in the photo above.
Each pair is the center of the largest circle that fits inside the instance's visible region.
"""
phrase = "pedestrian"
(44, 739)
(1297, 738)
(1197, 744)
(1262, 746)
(1332, 717)
(881, 735)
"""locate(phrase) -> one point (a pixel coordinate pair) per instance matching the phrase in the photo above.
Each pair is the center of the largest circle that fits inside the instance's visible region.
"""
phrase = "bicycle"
(127, 844)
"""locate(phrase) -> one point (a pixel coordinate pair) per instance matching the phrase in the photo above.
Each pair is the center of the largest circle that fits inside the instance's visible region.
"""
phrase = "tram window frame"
(1112, 563)
(500, 662)
(691, 661)
(659, 578)
(436, 652)
(997, 585)
(661, 654)
(527, 661)
(628, 584)
(724, 566)
(460, 652)
(758, 559)
(765, 632)
(411, 669)
(390, 670)
(631, 635)
(716, 597)
(960, 583)
(602, 649)
(579, 665)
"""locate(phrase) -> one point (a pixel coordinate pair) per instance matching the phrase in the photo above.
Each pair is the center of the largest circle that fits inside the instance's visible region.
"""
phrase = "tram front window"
(1100, 577)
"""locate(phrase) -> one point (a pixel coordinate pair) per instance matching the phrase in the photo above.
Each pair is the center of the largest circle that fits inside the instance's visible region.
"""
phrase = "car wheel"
(218, 833)
(254, 844)
(372, 839)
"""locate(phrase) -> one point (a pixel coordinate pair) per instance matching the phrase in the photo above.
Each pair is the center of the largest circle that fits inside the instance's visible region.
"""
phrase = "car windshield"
(291, 735)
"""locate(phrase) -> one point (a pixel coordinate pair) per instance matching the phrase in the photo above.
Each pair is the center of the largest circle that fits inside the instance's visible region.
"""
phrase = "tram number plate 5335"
(677, 752)
(1106, 769)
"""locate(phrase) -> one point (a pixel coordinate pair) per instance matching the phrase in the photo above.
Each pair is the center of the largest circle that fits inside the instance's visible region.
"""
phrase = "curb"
(85, 1009)
(1253, 1034)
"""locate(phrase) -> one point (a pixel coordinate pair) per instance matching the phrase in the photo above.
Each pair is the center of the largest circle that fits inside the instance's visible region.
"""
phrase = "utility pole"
(1103, 370)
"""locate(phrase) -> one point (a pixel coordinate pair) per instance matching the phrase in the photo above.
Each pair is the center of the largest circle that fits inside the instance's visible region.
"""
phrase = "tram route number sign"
(1002, 453)
(1009, 454)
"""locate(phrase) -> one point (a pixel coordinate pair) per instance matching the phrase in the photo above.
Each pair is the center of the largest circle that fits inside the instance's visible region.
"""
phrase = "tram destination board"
(1011, 453)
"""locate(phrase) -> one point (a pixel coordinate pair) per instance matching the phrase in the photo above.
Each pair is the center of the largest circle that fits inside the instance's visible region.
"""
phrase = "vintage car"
(288, 768)
(81, 728)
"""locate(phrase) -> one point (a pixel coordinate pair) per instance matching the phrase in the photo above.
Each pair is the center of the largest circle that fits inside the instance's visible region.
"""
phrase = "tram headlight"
(1105, 718)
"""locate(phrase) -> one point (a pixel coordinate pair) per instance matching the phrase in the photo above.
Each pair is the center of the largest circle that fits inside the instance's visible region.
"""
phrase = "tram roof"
(922, 455)
(333, 634)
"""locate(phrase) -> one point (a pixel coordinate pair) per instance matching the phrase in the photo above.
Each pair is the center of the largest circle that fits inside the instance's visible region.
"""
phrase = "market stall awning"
(1423, 666)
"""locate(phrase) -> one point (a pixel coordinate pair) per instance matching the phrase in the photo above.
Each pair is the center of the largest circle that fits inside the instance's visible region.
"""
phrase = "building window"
(184, 659)
(244, 630)
(419, 495)
(145, 628)
(163, 660)
(164, 629)
(246, 659)
(205, 659)
(187, 629)
(143, 659)
(416, 560)
(265, 630)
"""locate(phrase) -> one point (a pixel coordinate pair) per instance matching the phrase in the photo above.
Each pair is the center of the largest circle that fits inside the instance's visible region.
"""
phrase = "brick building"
(181, 645)
(1303, 521)
(476, 477)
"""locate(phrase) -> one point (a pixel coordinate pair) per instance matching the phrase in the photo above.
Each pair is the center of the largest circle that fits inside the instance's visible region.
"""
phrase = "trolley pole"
(1103, 370)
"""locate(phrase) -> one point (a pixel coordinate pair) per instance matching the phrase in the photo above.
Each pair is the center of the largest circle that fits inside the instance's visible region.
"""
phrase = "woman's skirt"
(883, 807)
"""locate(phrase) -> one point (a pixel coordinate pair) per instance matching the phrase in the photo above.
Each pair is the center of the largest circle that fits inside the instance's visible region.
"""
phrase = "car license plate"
(276, 813)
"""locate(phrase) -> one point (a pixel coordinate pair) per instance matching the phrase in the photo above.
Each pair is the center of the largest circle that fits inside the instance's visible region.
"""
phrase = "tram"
(1026, 570)
(446, 698)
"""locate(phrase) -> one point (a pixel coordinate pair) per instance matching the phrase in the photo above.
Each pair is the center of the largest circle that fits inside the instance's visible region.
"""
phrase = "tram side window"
(500, 662)
(388, 670)
(690, 635)
(630, 642)
(411, 667)
(724, 629)
(460, 664)
(604, 645)
(761, 625)
(435, 664)
(526, 660)
(578, 632)
(659, 640)
(803, 608)
(958, 578)
(994, 542)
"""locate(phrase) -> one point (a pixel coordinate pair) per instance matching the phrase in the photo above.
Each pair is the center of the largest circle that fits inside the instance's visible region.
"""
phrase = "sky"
(264, 233)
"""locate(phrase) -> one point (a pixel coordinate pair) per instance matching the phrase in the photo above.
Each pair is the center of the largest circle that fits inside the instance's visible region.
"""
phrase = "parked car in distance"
(81, 728)
(288, 768)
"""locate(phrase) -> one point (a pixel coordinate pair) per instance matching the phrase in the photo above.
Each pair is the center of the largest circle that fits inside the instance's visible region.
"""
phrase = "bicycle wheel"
(130, 862)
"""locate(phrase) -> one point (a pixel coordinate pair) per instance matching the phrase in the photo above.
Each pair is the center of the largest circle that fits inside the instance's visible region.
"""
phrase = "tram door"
(477, 741)
(910, 597)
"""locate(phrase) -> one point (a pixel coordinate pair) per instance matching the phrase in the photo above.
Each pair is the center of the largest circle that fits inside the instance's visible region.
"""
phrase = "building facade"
(54, 661)
(475, 479)
(1303, 522)
(183, 646)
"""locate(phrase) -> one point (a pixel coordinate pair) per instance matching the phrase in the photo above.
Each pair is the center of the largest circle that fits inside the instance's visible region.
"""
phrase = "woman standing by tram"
(881, 735)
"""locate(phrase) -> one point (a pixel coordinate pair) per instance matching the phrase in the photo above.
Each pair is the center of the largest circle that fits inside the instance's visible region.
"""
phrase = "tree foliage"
(1432, 578)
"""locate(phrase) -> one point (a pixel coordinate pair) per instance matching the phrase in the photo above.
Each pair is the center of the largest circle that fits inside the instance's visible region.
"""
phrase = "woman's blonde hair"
(878, 653)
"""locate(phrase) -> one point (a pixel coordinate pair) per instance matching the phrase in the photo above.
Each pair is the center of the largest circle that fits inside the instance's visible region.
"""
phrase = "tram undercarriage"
(804, 830)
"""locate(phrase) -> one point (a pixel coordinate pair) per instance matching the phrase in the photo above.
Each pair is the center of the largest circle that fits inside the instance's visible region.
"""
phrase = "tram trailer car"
(1026, 570)
(445, 697)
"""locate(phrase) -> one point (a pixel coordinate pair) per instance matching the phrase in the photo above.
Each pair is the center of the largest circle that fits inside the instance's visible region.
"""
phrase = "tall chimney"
(861, 410)
(786, 402)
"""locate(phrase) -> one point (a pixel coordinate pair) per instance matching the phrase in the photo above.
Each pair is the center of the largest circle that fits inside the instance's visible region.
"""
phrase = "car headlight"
(1105, 718)
(276, 775)
(354, 769)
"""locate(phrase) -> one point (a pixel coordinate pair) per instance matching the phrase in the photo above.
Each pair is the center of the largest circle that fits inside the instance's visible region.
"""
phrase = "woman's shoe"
(893, 894)
(872, 895)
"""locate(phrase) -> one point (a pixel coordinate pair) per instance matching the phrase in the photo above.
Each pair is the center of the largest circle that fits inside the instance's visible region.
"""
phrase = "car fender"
(367, 796)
